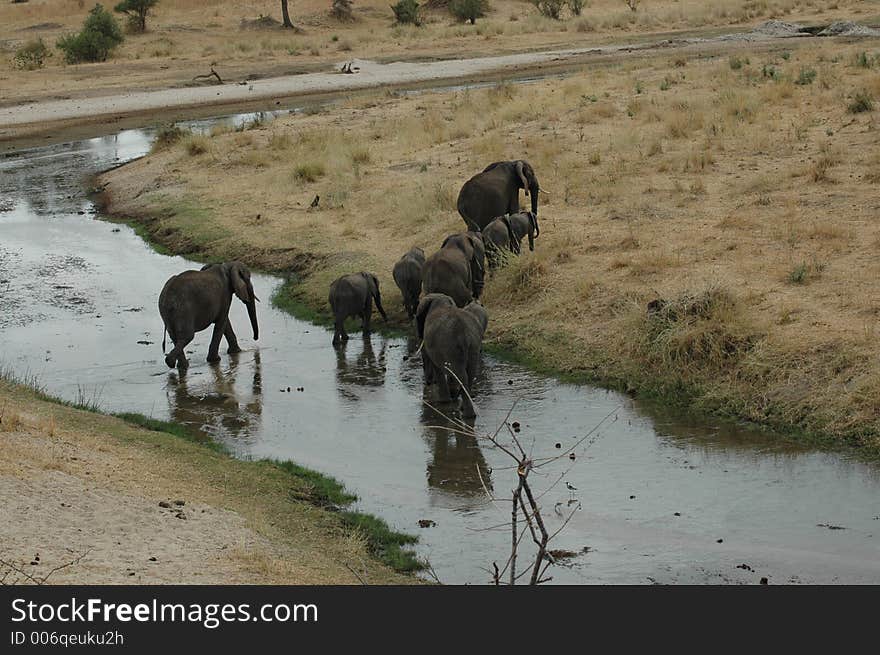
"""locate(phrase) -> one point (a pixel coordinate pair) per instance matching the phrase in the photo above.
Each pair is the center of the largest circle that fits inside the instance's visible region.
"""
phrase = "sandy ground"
(80, 498)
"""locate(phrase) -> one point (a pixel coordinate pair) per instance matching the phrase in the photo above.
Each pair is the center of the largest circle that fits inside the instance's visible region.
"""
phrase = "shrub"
(31, 55)
(806, 76)
(407, 12)
(736, 63)
(137, 11)
(99, 36)
(862, 101)
(341, 10)
(576, 6)
(167, 136)
(549, 8)
(469, 10)
(309, 172)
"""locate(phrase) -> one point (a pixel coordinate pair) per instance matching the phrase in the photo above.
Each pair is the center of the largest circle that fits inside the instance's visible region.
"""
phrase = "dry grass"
(185, 36)
(751, 191)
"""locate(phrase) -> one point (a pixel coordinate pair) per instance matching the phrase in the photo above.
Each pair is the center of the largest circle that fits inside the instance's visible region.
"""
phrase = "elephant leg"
(231, 339)
(178, 354)
(463, 382)
(365, 317)
(443, 382)
(428, 368)
(214, 348)
(338, 330)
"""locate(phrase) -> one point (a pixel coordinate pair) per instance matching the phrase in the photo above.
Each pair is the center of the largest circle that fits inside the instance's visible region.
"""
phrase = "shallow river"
(662, 499)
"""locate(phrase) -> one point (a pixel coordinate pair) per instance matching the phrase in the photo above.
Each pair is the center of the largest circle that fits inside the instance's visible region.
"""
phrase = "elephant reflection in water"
(455, 458)
(211, 406)
(365, 369)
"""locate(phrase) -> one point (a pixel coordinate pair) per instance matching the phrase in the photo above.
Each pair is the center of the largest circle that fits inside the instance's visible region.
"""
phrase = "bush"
(137, 11)
(549, 8)
(576, 6)
(31, 55)
(341, 10)
(309, 172)
(167, 136)
(862, 101)
(407, 11)
(469, 10)
(806, 77)
(99, 36)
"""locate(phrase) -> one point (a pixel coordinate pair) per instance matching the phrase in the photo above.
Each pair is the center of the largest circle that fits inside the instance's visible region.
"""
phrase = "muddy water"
(661, 499)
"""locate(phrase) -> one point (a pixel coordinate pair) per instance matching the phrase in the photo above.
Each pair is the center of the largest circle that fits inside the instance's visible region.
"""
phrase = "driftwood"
(213, 73)
(348, 68)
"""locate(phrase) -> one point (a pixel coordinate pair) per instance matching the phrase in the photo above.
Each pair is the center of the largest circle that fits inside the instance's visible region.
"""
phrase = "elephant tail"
(164, 332)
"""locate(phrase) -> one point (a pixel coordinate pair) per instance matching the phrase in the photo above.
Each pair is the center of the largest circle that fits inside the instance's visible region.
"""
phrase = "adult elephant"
(193, 300)
(471, 245)
(498, 236)
(495, 192)
(353, 295)
(524, 224)
(452, 339)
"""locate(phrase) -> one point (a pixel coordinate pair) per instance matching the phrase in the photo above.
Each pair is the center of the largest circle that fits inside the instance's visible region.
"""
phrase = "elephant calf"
(498, 237)
(353, 295)
(193, 300)
(457, 268)
(408, 278)
(522, 224)
(452, 340)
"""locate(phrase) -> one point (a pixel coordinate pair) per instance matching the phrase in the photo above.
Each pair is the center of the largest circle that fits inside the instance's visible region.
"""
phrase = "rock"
(719, 541)
(558, 445)
(180, 515)
(180, 503)
(848, 28)
(426, 523)
(764, 581)
(165, 504)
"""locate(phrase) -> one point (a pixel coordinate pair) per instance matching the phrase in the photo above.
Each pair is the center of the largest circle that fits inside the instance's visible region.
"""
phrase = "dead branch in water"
(524, 502)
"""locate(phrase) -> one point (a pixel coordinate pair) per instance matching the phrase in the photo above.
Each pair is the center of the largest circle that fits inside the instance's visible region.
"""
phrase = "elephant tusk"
(419, 348)
(255, 298)
(544, 192)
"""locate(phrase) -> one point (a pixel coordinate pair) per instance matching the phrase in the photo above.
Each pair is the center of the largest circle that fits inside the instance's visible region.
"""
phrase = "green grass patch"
(383, 542)
(323, 490)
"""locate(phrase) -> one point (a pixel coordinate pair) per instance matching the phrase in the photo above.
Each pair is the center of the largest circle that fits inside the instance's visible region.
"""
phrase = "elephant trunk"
(252, 314)
(533, 192)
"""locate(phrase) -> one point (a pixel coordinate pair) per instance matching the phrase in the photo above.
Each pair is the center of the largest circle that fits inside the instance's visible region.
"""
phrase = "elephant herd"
(441, 292)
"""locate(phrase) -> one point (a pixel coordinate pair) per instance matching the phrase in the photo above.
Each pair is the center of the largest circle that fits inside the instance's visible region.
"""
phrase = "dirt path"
(20, 121)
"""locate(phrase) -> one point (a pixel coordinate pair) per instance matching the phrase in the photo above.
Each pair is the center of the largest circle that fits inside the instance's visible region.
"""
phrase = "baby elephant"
(193, 300)
(352, 295)
(522, 224)
(498, 237)
(408, 277)
(451, 338)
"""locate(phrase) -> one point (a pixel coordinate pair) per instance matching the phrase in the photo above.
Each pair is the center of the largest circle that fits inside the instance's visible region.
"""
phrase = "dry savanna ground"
(79, 504)
(185, 37)
(736, 195)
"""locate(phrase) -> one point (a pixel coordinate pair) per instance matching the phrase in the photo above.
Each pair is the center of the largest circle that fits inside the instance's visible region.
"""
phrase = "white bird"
(570, 486)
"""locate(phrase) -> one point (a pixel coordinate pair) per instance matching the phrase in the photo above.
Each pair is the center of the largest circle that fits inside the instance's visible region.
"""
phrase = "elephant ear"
(513, 242)
(239, 279)
(522, 176)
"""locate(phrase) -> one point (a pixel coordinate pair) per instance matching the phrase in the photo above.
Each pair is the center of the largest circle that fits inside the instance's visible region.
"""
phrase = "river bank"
(94, 499)
(767, 306)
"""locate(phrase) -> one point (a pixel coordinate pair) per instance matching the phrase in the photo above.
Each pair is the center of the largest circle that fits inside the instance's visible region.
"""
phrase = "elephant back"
(448, 271)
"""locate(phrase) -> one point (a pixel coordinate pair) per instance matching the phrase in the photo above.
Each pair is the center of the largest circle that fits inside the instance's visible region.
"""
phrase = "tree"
(576, 6)
(469, 10)
(137, 11)
(99, 36)
(549, 8)
(285, 15)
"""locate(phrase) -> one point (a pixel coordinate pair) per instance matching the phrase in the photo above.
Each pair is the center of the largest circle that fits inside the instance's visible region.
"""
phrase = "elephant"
(448, 271)
(471, 244)
(498, 237)
(353, 295)
(523, 224)
(408, 278)
(451, 337)
(495, 192)
(193, 300)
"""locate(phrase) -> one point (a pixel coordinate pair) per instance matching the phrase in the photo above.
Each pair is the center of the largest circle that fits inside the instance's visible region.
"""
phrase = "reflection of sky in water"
(78, 310)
